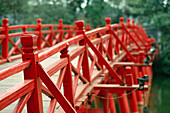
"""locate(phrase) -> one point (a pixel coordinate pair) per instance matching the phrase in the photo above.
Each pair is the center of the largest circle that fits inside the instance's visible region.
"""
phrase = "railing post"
(88, 27)
(34, 104)
(85, 62)
(117, 43)
(39, 29)
(61, 30)
(69, 34)
(112, 104)
(67, 81)
(110, 46)
(51, 36)
(5, 44)
(123, 101)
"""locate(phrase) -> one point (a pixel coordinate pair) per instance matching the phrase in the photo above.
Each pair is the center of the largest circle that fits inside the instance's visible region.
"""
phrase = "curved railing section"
(47, 36)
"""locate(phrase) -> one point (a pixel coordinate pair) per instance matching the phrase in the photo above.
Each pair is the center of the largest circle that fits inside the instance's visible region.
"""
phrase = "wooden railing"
(115, 57)
(47, 36)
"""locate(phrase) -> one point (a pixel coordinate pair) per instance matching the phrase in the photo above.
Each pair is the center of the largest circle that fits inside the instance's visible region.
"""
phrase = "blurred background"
(154, 15)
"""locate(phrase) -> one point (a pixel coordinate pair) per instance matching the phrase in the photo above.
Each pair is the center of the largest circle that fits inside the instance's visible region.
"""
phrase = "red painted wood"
(65, 104)
(12, 94)
(5, 43)
(22, 102)
(9, 71)
(99, 110)
(112, 72)
(77, 94)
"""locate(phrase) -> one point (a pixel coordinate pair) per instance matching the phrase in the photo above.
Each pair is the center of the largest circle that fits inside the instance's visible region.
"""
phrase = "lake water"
(160, 94)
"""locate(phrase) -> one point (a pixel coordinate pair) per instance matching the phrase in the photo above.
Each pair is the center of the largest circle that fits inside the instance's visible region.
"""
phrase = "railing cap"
(60, 21)
(29, 43)
(80, 24)
(121, 19)
(133, 22)
(128, 20)
(39, 20)
(5, 21)
(108, 21)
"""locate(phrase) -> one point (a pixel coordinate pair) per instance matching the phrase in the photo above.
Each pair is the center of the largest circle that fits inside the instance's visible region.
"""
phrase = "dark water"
(160, 94)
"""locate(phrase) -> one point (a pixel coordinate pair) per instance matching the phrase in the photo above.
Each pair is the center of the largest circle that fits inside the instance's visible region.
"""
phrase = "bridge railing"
(114, 43)
(48, 35)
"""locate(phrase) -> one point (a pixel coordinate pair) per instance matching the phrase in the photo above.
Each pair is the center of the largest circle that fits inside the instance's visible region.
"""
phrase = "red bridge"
(96, 70)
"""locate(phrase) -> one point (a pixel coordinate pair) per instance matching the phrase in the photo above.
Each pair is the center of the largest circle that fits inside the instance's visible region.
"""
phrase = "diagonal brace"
(112, 72)
(65, 104)
(124, 28)
(123, 46)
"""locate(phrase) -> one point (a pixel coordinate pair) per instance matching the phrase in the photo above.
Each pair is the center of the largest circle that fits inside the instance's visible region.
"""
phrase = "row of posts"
(4, 33)
(35, 102)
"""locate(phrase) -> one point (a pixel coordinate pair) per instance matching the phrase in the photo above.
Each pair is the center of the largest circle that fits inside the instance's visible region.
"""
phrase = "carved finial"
(121, 20)
(133, 22)
(39, 20)
(80, 24)
(108, 21)
(29, 43)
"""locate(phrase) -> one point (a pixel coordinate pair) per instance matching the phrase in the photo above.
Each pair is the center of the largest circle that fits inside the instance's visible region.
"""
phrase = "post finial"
(108, 21)
(60, 21)
(39, 20)
(128, 20)
(29, 43)
(80, 24)
(133, 22)
(121, 20)
(5, 21)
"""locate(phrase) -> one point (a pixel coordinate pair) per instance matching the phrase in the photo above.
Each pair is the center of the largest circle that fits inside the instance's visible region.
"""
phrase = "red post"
(60, 28)
(39, 29)
(111, 104)
(123, 103)
(117, 42)
(88, 27)
(51, 36)
(85, 62)
(34, 104)
(106, 102)
(110, 46)
(69, 34)
(67, 81)
(5, 46)
(132, 97)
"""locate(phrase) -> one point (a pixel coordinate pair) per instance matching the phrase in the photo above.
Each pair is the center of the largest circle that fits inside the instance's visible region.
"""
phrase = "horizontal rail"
(4, 73)
(57, 48)
(115, 87)
(10, 95)
(105, 55)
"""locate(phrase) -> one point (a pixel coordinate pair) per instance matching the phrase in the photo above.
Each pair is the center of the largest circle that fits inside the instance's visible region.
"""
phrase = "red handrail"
(110, 45)
(48, 35)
